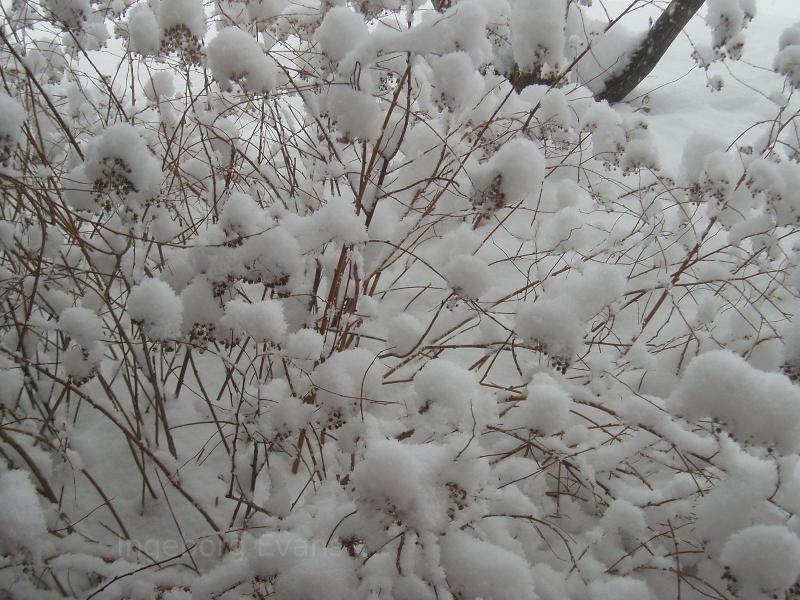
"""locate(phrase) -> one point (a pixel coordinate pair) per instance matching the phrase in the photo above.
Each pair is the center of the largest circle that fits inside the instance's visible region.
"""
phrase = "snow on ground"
(681, 102)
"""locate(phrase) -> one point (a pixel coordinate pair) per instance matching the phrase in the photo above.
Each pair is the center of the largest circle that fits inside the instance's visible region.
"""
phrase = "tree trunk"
(645, 58)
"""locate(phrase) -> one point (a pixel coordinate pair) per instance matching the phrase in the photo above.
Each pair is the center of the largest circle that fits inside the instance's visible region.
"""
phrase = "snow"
(395, 478)
(304, 344)
(456, 80)
(11, 383)
(182, 13)
(326, 575)
(477, 569)
(752, 405)
(315, 282)
(235, 55)
(82, 325)
(22, 521)
(726, 19)
(405, 332)
(70, 14)
(154, 304)
(119, 160)
(143, 30)
(467, 276)
(263, 321)
(545, 410)
(342, 30)
(355, 112)
(450, 397)
(239, 216)
(537, 34)
(763, 558)
(552, 324)
(619, 588)
(787, 62)
(161, 85)
(12, 117)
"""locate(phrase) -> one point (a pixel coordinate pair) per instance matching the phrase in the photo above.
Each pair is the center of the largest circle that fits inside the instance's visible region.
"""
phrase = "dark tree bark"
(645, 58)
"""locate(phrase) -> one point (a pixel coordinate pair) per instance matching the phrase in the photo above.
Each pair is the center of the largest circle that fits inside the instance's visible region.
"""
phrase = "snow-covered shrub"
(306, 300)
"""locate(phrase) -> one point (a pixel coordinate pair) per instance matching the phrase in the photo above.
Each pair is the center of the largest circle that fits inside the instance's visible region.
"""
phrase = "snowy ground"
(682, 104)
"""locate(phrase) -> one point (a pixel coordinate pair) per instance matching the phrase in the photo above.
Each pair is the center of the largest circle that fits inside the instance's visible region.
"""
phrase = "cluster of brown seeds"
(115, 178)
(179, 38)
(792, 371)
(493, 198)
(458, 498)
(7, 146)
(202, 333)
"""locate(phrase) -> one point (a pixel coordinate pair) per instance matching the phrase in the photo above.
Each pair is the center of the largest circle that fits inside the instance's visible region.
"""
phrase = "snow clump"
(551, 325)
(478, 569)
(262, 321)
(144, 36)
(753, 405)
(467, 276)
(12, 116)
(341, 31)
(157, 308)
(762, 559)
(537, 34)
(118, 161)
(22, 522)
(787, 61)
(235, 55)
(546, 409)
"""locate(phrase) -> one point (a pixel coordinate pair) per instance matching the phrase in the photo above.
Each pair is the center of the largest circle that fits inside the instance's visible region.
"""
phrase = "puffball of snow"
(82, 325)
(305, 344)
(343, 380)
(240, 215)
(451, 396)
(763, 558)
(546, 408)
(275, 552)
(356, 112)
(122, 142)
(787, 62)
(341, 31)
(22, 521)
(551, 323)
(404, 333)
(161, 85)
(262, 321)
(537, 34)
(71, 14)
(522, 166)
(399, 479)
(235, 55)
(325, 575)
(11, 118)
(81, 363)
(11, 382)
(144, 34)
(620, 588)
(467, 275)
(189, 13)
(753, 405)
(157, 307)
(478, 569)
(459, 84)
